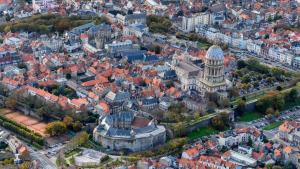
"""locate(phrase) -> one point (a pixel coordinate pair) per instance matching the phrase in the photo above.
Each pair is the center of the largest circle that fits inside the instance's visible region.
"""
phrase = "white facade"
(190, 22)
(281, 55)
(239, 158)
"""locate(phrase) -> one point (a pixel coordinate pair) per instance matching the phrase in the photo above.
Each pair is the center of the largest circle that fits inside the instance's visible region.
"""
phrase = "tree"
(68, 120)
(246, 79)
(292, 95)
(179, 129)
(157, 49)
(241, 107)
(233, 92)
(41, 111)
(225, 118)
(272, 99)
(241, 64)
(197, 115)
(25, 165)
(250, 142)
(56, 128)
(223, 102)
(278, 102)
(77, 126)
(270, 111)
(11, 103)
(270, 18)
(68, 76)
(217, 122)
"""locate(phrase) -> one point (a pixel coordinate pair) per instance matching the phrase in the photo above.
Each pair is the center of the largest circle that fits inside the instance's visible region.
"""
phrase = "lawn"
(73, 152)
(204, 131)
(250, 116)
(273, 125)
(203, 45)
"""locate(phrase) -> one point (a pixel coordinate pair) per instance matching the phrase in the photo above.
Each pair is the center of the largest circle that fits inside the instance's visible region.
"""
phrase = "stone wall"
(132, 144)
(198, 125)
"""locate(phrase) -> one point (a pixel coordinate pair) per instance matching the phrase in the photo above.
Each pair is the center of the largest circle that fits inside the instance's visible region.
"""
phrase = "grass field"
(203, 45)
(249, 116)
(273, 125)
(73, 152)
(204, 131)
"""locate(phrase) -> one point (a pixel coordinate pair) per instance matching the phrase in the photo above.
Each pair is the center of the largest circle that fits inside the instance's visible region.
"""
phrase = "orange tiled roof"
(10, 81)
(42, 93)
(104, 106)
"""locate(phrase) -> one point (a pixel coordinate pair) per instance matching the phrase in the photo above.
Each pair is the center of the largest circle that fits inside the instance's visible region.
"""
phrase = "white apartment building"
(253, 46)
(190, 22)
(281, 55)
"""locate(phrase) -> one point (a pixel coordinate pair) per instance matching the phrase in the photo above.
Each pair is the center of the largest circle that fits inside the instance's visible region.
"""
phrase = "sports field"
(30, 122)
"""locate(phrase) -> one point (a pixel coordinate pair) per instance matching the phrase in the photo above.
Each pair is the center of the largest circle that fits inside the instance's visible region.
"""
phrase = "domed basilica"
(206, 77)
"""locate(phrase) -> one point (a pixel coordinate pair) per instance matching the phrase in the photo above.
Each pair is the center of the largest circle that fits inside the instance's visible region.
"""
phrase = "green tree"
(217, 122)
(157, 49)
(56, 128)
(278, 102)
(241, 107)
(25, 165)
(225, 117)
(179, 129)
(11, 103)
(68, 76)
(241, 64)
(233, 92)
(68, 120)
(292, 95)
(77, 126)
(250, 142)
(270, 111)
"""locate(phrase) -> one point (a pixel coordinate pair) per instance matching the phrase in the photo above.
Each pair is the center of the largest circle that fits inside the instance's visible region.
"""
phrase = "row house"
(287, 129)
(296, 62)
(135, 18)
(253, 46)
(281, 55)
(277, 54)
(230, 138)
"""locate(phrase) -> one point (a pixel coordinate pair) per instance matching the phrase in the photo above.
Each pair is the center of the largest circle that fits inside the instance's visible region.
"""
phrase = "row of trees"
(197, 38)
(271, 103)
(78, 140)
(49, 23)
(159, 24)
(275, 101)
(169, 147)
(21, 130)
(44, 109)
(57, 128)
(216, 101)
(221, 121)
(60, 90)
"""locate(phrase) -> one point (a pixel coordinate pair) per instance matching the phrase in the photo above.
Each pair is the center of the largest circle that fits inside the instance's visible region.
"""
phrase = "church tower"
(213, 79)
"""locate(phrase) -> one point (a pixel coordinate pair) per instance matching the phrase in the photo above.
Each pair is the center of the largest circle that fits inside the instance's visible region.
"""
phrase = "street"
(45, 162)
